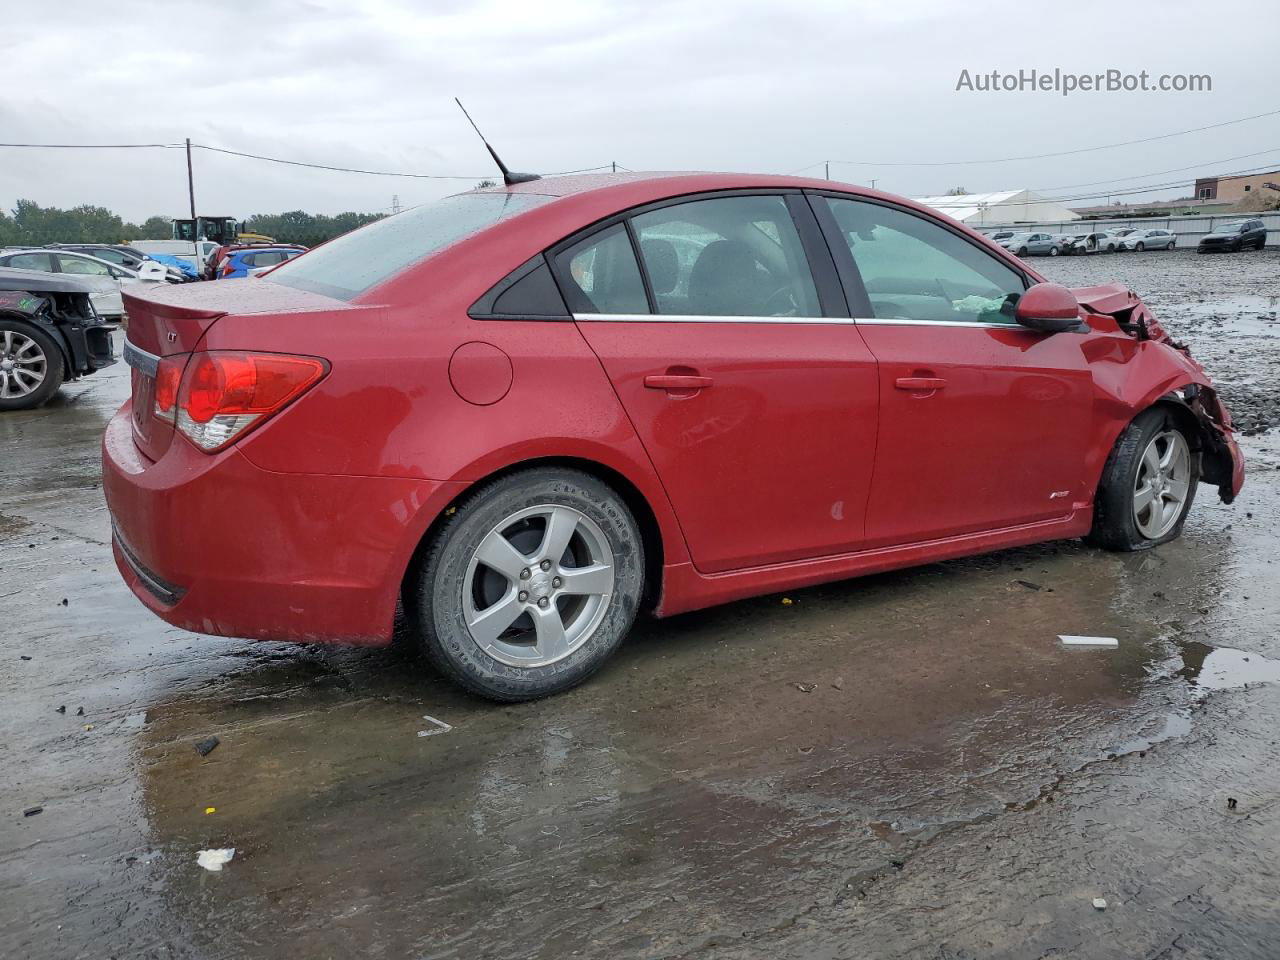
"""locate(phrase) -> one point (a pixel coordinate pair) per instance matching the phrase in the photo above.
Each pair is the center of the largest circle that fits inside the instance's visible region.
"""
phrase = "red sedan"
(532, 411)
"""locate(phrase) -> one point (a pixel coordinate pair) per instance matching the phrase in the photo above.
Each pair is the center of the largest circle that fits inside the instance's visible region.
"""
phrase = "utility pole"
(395, 204)
(191, 185)
(827, 165)
(614, 165)
(873, 184)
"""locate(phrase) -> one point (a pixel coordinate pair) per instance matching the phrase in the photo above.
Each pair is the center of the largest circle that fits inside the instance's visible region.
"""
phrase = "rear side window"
(30, 261)
(602, 274)
(726, 257)
(351, 264)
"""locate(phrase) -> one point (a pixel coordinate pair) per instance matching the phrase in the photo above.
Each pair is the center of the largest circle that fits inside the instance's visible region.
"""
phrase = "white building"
(980, 210)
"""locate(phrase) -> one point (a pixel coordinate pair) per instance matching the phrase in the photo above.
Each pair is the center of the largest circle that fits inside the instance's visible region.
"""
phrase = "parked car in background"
(239, 263)
(1248, 234)
(104, 280)
(386, 418)
(218, 259)
(1083, 243)
(1140, 240)
(1032, 244)
(998, 235)
(121, 255)
(49, 333)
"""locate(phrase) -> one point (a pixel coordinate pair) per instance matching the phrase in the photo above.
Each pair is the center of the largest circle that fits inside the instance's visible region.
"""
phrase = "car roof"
(614, 192)
(69, 253)
(40, 281)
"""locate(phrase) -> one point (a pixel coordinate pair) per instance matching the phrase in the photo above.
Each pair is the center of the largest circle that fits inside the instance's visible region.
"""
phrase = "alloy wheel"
(23, 365)
(538, 585)
(1160, 490)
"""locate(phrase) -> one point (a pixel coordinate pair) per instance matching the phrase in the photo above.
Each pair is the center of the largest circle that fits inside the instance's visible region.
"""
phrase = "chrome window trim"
(148, 363)
(696, 318)
(903, 322)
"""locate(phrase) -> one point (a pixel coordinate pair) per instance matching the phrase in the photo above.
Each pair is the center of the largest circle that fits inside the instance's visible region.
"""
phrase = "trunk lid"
(168, 320)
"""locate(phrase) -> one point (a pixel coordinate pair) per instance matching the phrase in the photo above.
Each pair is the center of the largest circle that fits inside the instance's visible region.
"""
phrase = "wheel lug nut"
(524, 595)
(546, 564)
(524, 574)
(555, 582)
(544, 603)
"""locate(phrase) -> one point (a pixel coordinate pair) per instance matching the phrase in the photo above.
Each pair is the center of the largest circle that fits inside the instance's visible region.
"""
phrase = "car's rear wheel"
(1148, 484)
(530, 586)
(1173, 244)
(1053, 251)
(30, 366)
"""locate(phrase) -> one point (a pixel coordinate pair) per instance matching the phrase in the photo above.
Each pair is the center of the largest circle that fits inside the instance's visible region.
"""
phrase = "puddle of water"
(1208, 668)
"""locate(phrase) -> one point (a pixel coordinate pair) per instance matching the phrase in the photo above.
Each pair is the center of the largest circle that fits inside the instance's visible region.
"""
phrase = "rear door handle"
(676, 381)
(919, 383)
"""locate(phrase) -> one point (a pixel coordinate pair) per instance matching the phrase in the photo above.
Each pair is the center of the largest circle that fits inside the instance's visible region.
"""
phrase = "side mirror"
(1049, 308)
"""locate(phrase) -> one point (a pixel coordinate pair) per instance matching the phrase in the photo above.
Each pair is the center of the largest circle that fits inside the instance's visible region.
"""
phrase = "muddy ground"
(907, 765)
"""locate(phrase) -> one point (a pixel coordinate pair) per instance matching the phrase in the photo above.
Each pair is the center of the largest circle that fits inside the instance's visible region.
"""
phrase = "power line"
(1043, 156)
(98, 146)
(1157, 173)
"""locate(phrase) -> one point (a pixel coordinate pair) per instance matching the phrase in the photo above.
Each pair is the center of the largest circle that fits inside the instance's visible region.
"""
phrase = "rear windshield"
(349, 265)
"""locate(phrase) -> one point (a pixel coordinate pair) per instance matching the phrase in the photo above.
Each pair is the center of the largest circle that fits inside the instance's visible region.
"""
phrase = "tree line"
(31, 225)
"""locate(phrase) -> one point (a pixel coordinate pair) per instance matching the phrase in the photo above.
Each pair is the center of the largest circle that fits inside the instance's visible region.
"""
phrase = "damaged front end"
(1203, 412)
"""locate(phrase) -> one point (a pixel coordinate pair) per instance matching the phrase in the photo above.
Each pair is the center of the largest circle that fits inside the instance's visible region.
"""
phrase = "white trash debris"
(1099, 903)
(214, 859)
(1070, 641)
(440, 727)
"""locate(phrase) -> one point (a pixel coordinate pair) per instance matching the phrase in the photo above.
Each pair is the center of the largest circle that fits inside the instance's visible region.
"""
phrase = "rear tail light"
(223, 393)
(168, 379)
(227, 268)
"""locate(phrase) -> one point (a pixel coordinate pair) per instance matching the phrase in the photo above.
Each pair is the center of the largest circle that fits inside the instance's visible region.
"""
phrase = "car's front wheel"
(1140, 246)
(1148, 484)
(530, 585)
(1022, 251)
(30, 366)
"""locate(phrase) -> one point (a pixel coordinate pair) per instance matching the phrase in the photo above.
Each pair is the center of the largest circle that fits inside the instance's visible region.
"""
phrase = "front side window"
(602, 274)
(727, 256)
(350, 264)
(914, 269)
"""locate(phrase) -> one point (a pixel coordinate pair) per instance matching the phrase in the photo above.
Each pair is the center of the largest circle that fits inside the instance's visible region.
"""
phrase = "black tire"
(1139, 246)
(1022, 251)
(434, 595)
(1053, 251)
(1172, 245)
(54, 367)
(1114, 526)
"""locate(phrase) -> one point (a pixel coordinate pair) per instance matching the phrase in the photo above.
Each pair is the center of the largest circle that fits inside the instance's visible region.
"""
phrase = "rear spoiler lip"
(171, 311)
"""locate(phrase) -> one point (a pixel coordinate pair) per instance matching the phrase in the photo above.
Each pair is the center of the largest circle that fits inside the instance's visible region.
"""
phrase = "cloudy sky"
(736, 85)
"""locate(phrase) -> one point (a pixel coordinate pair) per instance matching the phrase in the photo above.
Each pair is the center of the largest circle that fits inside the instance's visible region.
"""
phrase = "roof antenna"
(507, 176)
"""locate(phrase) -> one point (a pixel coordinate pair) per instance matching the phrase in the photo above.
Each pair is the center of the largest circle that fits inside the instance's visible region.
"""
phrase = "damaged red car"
(530, 412)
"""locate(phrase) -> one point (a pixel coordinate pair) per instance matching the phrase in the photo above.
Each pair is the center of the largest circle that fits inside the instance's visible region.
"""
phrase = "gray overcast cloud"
(739, 85)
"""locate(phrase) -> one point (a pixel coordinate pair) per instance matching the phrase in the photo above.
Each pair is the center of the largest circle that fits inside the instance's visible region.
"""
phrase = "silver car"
(1148, 240)
(103, 279)
(1033, 244)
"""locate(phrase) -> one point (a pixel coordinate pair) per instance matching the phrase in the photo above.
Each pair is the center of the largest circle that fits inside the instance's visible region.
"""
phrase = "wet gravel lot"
(907, 765)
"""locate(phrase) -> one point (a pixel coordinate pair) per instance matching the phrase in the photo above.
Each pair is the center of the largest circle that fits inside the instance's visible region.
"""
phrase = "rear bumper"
(214, 544)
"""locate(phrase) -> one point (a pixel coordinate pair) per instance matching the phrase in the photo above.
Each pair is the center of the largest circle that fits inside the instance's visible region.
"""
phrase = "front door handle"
(919, 383)
(676, 381)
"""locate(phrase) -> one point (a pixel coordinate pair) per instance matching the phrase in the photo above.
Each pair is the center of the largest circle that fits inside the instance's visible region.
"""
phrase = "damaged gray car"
(49, 333)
